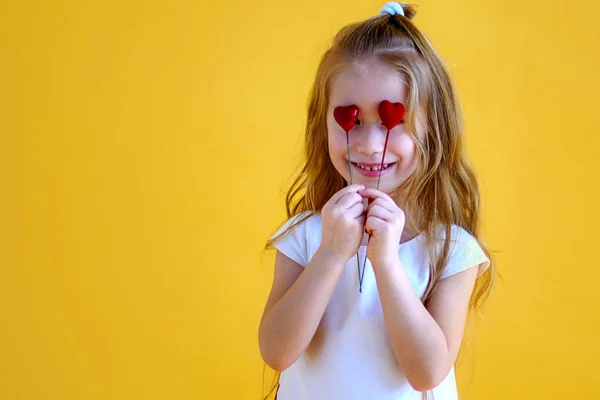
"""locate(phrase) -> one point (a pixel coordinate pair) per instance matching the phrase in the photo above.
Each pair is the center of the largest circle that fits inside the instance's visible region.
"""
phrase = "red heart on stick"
(346, 116)
(391, 113)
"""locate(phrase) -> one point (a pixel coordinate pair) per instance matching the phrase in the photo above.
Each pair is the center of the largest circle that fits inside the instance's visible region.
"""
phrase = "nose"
(370, 140)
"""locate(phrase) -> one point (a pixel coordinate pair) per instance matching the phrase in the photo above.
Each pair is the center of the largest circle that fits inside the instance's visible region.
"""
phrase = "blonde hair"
(443, 190)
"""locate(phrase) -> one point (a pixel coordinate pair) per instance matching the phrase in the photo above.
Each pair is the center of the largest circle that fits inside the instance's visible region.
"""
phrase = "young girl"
(394, 328)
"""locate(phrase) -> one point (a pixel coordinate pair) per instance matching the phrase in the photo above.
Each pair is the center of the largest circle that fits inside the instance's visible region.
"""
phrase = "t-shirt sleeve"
(294, 243)
(465, 253)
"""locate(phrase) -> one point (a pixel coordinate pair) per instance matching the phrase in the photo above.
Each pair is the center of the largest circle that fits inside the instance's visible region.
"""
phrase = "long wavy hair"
(443, 190)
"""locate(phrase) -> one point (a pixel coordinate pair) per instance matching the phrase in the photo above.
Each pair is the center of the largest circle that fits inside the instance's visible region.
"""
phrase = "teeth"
(377, 168)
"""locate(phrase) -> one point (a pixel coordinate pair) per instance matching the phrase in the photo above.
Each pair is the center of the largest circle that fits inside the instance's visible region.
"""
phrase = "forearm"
(288, 328)
(418, 343)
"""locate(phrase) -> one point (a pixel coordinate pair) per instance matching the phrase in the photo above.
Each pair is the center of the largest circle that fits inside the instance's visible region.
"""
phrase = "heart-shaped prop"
(391, 113)
(346, 116)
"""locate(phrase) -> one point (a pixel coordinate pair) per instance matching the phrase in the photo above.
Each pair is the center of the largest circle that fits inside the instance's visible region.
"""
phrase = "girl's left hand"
(385, 223)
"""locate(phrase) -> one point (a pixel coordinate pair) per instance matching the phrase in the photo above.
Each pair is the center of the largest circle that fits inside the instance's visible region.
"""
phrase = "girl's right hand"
(343, 223)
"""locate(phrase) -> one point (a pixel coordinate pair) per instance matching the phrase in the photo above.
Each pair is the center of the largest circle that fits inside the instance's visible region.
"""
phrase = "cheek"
(337, 142)
(405, 148)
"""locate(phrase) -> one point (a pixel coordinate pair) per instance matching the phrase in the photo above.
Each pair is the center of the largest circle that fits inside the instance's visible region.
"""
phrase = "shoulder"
(301, 222)
(296, 236)
(465, 252)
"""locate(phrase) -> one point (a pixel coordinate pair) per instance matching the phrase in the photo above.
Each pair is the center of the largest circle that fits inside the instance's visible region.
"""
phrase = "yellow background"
(145, 146)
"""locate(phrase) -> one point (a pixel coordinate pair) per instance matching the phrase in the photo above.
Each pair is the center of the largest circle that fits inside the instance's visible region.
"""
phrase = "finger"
(385, 202)
(380, 212)
(374, 224)
(348, 200)
(381, 202)
(371, 193)
(348, 189)
(356, 211)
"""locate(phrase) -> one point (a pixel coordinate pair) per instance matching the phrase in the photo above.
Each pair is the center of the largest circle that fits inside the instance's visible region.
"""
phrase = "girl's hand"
(385, 223)
(343, 223)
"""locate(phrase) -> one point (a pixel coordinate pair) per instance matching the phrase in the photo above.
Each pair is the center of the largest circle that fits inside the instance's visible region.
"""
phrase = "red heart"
(346, 116)
(391, 113)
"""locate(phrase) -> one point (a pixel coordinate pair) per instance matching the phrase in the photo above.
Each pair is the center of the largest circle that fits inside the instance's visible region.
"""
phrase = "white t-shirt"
(355, 359)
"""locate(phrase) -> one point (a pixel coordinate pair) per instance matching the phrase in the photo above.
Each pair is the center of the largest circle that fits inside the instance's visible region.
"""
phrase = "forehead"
(366, 85)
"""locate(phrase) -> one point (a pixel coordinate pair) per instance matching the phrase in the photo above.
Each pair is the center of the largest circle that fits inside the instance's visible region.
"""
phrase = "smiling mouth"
(371, 167)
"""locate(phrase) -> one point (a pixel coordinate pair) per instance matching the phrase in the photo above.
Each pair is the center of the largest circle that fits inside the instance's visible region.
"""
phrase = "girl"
(394, 328)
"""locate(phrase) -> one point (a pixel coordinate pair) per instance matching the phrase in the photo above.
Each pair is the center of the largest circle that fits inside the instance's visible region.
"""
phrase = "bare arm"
(425, 341)
(297, 302)
(299, 296)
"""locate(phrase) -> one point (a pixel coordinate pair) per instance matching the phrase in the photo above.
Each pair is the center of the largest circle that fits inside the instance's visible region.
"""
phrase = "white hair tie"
(392, 8)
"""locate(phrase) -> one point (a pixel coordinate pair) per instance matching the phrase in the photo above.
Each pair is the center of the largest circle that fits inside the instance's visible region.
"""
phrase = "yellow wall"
(144, 145)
